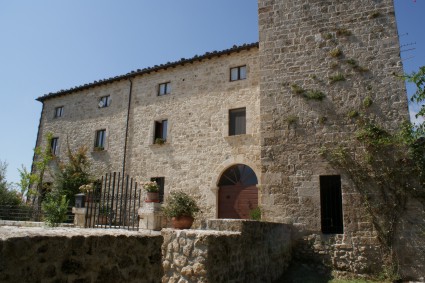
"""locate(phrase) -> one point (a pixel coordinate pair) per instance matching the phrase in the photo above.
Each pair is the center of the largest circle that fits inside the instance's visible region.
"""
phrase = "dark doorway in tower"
(238, 193)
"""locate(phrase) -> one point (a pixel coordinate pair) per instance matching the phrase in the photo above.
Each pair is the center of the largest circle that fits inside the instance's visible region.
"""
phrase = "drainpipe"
(126, 127)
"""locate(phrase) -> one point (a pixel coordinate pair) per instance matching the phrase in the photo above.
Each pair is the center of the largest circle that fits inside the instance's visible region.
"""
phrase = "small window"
(237, 121)
(160, 132)
(164, 89)
(160, 181)
(104, 101)
(58, 111)
(54, 146)
(99, 144)
(238, 73)
(331, 204)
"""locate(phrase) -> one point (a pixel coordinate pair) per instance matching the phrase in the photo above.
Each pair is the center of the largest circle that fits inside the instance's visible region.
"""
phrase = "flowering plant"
(180, 204)
(151, 187)
(86, 188)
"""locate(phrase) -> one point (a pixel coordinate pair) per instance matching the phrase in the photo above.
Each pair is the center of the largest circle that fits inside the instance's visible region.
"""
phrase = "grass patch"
(336, 52)
(343, 32)
(314, 94)
(367, 102)
(336, 78)
(297, 89)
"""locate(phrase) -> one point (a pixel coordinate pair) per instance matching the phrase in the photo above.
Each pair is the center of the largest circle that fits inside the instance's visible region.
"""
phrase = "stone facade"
(348, 51)
(345, 51)
(198, 147)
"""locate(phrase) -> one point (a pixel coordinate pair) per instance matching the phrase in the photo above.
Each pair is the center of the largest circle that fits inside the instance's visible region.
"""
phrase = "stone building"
(233, 130)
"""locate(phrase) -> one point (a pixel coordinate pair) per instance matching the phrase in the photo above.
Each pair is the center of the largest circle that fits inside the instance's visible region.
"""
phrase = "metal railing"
(115, 205)
(27, 213)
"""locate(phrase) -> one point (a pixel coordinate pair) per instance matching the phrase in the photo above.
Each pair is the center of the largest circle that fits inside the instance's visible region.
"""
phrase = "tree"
(8, 196)
(418, 78)
(26, 182)
(41, 165)
(73, 174)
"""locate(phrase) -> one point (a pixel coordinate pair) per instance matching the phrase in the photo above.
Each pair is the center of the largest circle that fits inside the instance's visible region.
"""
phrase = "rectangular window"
(160, 131)
(160, 181)
(237, 121)
(331, 204)
(238, 73)
(58, 111)
(104, 101)
(100, 140)
(164, 89)
(54, 146)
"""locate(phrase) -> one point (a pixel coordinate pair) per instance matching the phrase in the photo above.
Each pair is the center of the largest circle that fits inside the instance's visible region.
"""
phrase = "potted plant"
(181, 208)
(152, 191)
(159, 141)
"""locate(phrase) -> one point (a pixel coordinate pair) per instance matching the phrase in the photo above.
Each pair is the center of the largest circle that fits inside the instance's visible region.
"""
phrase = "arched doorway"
(238, 193)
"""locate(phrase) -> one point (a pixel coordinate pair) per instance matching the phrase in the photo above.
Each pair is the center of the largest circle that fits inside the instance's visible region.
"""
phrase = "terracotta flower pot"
(152, 197)
(182, 222)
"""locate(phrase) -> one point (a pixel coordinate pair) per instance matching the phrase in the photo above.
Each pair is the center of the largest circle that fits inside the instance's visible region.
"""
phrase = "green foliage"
(151, 187)
(8, 196)
(55, 207)
(343, 32)
(336, 52)
(367, 102)
(73, 174)
(336, 78)
(43, 156)
(374, 15)
(291, 119)
(255, 214)
(180, 204)
(386, 169)
(315, 95)
(418, 78)
(353, 114)
(297, 89)
(26, 182)
(159, 141)
(323, 120)
(328, 36)
(373, 135)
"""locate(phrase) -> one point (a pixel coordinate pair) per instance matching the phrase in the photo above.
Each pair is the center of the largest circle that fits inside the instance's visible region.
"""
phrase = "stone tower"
(319, 61)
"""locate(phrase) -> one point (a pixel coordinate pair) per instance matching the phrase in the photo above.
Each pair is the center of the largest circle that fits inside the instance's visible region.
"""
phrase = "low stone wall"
(231, 251)
(78, 255)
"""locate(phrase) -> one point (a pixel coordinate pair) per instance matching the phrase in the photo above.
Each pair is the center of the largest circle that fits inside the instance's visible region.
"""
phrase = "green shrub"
(337, 78)
(297, 89)
(255, 214)
(55, 207)
(180, 204)
(315, 94)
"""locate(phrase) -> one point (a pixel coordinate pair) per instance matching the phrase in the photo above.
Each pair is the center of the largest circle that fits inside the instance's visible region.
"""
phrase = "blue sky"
(49, 45)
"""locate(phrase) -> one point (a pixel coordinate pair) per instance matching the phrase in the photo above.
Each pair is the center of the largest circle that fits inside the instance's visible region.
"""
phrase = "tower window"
(331, 204)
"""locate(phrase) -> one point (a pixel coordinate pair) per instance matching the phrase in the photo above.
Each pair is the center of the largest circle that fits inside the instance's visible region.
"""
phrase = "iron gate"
(113, 203)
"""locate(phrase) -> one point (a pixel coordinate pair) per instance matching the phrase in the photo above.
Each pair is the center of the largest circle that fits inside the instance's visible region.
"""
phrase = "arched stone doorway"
(238, 193)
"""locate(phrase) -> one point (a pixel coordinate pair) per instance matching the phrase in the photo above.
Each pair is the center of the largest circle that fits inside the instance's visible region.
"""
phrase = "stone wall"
(78, 255)
(303, 47)
(231, 251)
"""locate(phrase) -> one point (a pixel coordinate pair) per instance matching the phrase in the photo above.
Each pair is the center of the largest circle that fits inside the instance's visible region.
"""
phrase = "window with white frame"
(100, 139)
(104, 101)
(164, 88)
(238, 73)
(58, 112)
